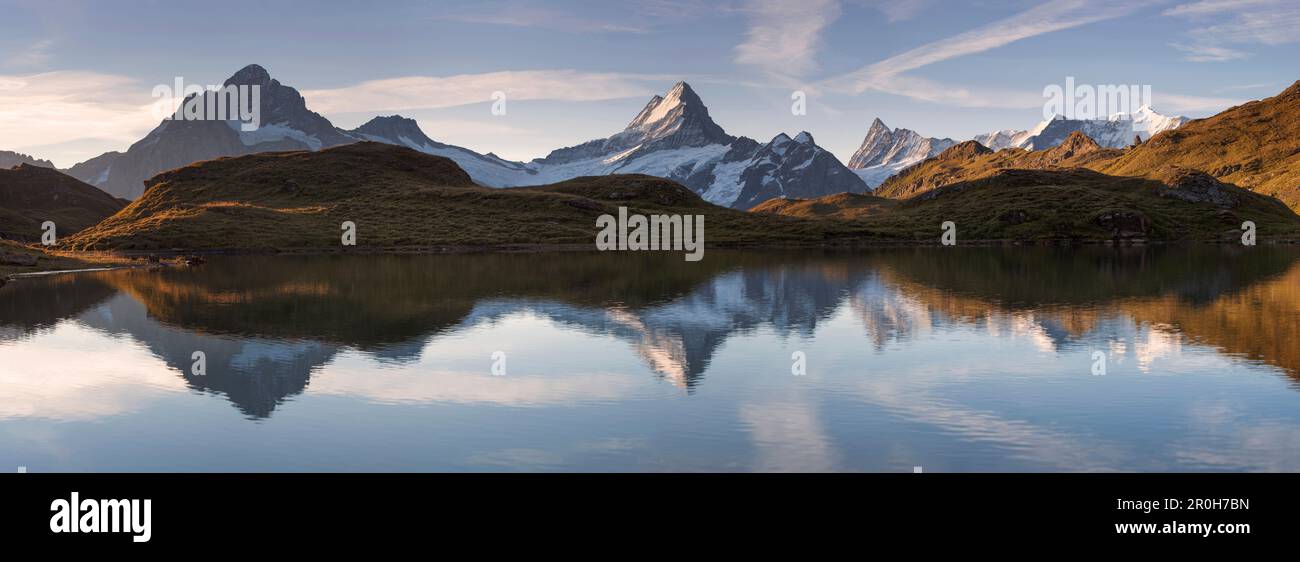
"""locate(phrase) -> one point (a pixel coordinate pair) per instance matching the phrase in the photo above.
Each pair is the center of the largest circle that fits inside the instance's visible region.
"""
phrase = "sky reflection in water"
(970, 360)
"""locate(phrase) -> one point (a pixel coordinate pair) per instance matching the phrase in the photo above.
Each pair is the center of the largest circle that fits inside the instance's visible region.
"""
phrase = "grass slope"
(31, 195)
(845, 206)
(1255, 145)
(398, 197)
(1083, 205)
(403, 199)
(970, 160)
(1062, 204)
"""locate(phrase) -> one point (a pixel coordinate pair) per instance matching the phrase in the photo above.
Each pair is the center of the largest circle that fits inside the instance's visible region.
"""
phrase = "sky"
(77, 77)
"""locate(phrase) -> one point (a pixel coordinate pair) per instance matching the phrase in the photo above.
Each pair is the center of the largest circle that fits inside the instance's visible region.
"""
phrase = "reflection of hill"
(255, 374)
(375, 302)
(266, 323)
(1037, 277)
(1260, 322)
(678, 338)
(32, 305)
(1245, 304)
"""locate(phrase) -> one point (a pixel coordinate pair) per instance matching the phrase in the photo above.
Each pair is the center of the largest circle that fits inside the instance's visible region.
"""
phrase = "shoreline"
(124, 259)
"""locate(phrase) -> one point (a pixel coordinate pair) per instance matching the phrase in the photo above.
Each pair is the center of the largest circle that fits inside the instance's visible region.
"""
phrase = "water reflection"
(270, 325)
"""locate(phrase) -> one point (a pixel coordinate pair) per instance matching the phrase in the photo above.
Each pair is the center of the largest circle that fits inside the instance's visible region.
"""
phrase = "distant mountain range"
(885, 153)
(11, 159)
(399, 197)
(672, 137)
(1200, 179)
(1117, 131)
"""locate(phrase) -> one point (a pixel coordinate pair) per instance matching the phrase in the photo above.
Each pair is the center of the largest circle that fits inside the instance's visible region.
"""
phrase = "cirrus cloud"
(435, 92)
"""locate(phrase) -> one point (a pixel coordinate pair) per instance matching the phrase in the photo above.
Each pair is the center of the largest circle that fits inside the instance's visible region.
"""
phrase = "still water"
(948, 359)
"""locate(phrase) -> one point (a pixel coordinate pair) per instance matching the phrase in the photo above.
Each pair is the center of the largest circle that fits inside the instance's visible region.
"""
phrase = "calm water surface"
(954, 360)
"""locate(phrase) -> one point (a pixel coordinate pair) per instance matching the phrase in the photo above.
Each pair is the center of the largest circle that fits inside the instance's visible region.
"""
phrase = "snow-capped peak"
(804, 138)
(669, 107)
(780, 143)
(882, 147)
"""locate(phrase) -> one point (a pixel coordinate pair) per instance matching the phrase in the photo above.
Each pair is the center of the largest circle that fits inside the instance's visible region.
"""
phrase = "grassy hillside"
(31, 195)
(970, 160)
(1072, 204)
(402, 199)
(20, 258)
(1181, 185)
(1255, 146)
(845, 206)
(398, 197)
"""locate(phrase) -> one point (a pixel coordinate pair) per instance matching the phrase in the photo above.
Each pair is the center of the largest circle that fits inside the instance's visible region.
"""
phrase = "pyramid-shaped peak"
(391, 120)
(964, 150)
(250, 75)
(682, 91)
(679, 100)
(877, 124)
(393, 128)
(679, 114)
(1079, 139)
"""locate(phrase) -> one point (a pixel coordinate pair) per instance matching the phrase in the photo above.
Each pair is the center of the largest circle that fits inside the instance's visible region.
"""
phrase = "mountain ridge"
(673, 136)
(31, 195)
(885, 152)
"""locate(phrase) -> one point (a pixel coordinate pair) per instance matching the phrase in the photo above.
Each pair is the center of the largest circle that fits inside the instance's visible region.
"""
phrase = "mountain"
(1117, 131)
(31, 195)
(1006, 138)
(96, 170)
(1255, 145)
(10, 159)
(678, 120)
(1063, 204)
(401, 198)
(884, 152)
(971, 160)
(397, 197)
(488, 170)
(286, 124)
(672, 137)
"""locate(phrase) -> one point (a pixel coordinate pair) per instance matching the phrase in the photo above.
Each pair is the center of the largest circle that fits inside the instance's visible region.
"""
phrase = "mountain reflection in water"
(276, 329)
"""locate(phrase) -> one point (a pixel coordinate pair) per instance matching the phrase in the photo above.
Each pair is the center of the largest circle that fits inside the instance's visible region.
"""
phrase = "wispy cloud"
(1177, 103)
(900, 10)
(1207, 7)
(1236, 22)
(1208, 53)
(433, 92)
(36, 55)
(889, 75)
(678, 10)
(523, 13)
(784, 35)
(1247, 87)
(59, 107)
